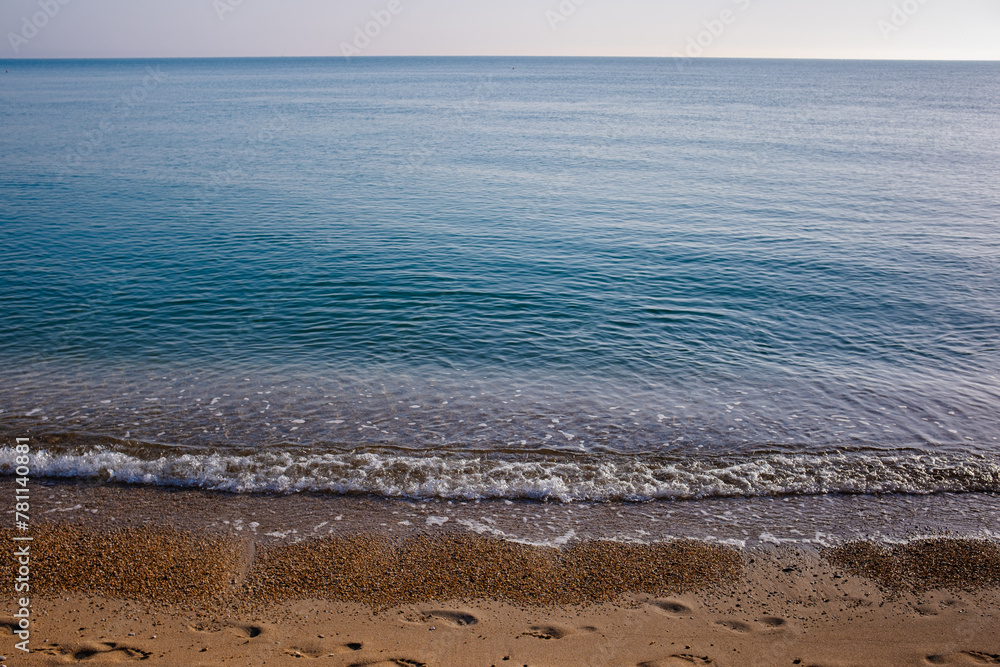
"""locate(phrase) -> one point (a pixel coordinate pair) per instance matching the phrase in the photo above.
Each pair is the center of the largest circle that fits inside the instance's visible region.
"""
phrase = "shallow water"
(583, 279)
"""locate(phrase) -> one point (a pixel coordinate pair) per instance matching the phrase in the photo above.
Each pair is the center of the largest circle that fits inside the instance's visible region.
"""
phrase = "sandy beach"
(168, 596)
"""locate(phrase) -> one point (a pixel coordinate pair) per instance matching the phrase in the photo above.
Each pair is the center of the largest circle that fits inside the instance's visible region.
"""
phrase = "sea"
(623, 287)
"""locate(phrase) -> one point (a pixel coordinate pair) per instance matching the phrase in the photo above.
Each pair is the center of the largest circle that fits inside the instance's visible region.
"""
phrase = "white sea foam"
(566, 479)
(481, 528)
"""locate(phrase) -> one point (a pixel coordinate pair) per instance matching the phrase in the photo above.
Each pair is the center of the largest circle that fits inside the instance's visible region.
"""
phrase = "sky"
(875, 29)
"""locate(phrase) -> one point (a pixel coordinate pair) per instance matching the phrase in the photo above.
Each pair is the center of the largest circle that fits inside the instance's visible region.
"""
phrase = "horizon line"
(591, 57)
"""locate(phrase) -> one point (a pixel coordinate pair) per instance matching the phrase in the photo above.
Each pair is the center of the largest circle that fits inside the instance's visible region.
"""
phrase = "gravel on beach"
(166, 565)
(141, 563)
(922, 564)
(376, 570)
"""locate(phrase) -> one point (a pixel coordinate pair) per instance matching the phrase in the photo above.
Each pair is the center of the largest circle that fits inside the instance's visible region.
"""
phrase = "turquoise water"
(465, 277)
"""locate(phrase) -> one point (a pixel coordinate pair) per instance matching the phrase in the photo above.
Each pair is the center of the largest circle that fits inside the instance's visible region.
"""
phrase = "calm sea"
(566, 279)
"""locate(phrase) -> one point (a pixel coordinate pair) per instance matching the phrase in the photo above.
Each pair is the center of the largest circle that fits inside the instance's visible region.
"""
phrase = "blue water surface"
(820, 238)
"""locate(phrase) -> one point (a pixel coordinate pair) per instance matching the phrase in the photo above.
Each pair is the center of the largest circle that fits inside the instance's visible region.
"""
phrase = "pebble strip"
(171, 566)
(375, 570)
(922, 564)
(143, 563)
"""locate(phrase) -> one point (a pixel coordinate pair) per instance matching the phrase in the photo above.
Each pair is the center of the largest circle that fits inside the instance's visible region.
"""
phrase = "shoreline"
(811, 522)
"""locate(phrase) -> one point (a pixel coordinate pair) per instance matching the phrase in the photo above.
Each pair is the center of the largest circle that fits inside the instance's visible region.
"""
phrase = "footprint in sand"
(435, 617)
(679, 660)
(314, 650)
(243, 630)
(251, 631)
(964, 658)
(547, 632)
(935, 608)
(97, 652)
(10, 623)
(311, 651)
(773, 622)
(735, 626)
(769, 622)
(456, 618)
(672, 607)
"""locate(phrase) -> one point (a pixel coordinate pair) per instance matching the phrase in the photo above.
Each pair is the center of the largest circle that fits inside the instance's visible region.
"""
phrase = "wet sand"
(175, 597)
(810, 521)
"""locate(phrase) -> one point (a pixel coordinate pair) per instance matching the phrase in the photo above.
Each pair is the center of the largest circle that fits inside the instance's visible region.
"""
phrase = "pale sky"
(895, 29)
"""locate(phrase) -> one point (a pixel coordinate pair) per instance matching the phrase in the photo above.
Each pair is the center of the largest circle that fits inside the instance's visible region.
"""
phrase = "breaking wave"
(565, 479)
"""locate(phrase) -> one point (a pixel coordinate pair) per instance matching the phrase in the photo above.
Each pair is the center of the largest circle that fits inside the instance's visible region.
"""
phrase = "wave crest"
(567, 480)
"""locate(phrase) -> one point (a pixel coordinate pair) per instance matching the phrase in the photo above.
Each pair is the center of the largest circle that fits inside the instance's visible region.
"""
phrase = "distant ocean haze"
(574, 279)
